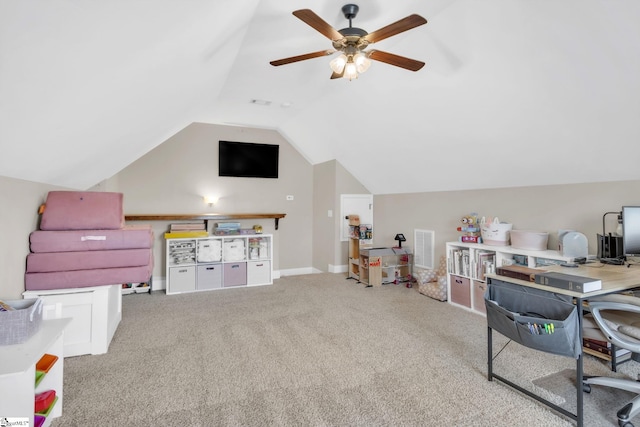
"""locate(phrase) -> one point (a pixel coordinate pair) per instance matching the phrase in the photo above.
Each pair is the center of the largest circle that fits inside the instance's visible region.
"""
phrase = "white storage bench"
(95, 314)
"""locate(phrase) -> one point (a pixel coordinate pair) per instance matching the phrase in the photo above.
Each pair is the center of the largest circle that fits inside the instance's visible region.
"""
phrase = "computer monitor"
(631, 231)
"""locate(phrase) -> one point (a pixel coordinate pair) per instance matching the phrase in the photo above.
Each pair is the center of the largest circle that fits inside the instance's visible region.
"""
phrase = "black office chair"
(618, 320)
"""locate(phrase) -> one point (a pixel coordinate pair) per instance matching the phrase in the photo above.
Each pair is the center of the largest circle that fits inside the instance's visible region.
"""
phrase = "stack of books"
(601, 348)
(185, 230)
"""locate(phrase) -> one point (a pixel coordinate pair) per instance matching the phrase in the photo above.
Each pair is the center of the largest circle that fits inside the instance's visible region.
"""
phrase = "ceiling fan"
(352, 42)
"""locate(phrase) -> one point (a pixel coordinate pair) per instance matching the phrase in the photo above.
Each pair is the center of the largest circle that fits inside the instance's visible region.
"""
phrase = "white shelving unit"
(468, 262)
(218, 262)
(18, 372)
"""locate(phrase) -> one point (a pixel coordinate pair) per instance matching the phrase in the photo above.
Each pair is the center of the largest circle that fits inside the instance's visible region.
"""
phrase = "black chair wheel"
(586, 388)
(624, 424)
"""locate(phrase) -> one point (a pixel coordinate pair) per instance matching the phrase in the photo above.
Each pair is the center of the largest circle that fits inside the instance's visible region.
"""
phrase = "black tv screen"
(248, 160)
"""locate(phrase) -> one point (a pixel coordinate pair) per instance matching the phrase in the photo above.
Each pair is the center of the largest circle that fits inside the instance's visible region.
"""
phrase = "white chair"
(618, 319)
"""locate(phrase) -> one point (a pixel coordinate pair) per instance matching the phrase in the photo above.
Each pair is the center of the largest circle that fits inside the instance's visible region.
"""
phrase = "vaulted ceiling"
(514, 93)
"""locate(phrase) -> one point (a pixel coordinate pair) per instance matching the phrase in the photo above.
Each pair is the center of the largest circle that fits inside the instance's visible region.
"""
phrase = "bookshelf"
(468, 263)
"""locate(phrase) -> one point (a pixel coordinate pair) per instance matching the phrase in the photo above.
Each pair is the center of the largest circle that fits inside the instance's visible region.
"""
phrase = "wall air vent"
(423, 248)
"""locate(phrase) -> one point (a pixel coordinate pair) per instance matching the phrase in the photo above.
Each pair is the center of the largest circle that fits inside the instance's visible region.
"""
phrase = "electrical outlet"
(289, 197)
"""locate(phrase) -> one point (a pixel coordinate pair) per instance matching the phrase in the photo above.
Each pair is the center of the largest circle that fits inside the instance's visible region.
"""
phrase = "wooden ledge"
(205, 217)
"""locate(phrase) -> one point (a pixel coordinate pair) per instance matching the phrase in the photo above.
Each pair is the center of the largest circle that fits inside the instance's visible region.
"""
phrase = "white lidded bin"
(531, 240)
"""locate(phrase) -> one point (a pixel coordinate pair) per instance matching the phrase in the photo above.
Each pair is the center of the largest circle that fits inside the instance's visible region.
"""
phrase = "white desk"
(615, 279)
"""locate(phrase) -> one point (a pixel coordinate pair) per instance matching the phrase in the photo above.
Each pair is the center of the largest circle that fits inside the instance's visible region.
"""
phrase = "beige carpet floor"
(311, 350)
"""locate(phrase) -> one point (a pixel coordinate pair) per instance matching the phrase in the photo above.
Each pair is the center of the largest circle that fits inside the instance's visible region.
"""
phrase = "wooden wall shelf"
(205, 217)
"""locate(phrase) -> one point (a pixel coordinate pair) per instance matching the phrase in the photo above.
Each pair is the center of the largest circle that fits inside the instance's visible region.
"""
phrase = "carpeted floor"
(311, 350)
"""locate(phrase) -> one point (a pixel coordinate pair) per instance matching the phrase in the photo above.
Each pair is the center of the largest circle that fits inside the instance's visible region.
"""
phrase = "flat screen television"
(248, 160)
(631, 231)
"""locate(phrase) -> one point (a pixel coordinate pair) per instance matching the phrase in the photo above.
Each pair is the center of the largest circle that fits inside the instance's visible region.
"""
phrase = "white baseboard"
(158, 283)
(296, 272)
(338, 268)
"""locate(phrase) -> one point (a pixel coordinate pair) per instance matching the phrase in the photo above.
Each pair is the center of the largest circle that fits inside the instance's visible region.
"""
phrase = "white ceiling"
(514, 93)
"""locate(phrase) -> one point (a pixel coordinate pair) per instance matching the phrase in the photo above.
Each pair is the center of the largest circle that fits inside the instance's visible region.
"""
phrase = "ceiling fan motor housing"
(350, 11)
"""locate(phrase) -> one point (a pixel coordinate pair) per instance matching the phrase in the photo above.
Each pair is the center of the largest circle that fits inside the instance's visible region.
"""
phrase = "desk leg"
(489, 354)
(579, 370)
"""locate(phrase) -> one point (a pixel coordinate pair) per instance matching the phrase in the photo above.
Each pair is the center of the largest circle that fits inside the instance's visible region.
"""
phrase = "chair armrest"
(615, 337)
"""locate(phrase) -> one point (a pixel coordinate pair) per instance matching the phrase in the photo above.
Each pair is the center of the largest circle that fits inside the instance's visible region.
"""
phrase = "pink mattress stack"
(82, 241)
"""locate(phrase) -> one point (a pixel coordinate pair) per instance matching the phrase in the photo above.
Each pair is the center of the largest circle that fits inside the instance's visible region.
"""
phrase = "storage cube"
(209, 250)
(209, 276)
(460, 291)
(182, 279)
(479, 289)
(258, 272)
(235, 274)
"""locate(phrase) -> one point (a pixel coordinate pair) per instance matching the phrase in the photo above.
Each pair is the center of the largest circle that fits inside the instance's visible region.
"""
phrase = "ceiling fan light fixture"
(337, 64)
(350, 70)
(362, 62)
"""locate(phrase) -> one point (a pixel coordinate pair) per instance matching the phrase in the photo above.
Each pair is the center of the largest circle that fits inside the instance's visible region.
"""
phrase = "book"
(568, 281)
(187, 226)
(185, 234)
(603, 343)
(604, 349)
(518, 272)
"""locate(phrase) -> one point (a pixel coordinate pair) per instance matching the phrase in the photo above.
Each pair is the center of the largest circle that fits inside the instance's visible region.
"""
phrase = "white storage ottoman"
(95, 314)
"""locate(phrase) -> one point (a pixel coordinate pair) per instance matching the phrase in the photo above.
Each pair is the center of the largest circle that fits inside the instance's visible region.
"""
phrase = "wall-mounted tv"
(248, 160)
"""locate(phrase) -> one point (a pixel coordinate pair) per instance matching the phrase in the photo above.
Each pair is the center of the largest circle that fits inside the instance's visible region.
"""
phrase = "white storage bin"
(531, 240)
(494, 232)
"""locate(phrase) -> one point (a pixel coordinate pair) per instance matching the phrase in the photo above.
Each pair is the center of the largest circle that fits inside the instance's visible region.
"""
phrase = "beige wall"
(175, 176)
(19, 215)
(324, 191)
(578, 207)
(331, 180)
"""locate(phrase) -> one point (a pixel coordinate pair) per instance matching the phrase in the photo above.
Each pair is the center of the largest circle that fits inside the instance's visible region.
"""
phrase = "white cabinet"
(18, 386)
(95, 314)
(467, 264)
(218, 262)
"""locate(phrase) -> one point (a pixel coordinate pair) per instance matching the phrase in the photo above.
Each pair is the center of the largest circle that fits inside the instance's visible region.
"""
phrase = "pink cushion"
(68, 261)
(85, 278)
(82, 210)
(129, 237)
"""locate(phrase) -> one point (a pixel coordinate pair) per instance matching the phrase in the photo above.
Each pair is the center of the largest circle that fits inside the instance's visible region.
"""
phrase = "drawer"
(258, 272)
(182, 279)
(209, 276)
(460, 290)
(235, 274)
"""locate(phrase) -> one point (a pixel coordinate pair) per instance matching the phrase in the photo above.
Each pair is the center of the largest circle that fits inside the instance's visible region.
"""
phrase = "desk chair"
(618, 319)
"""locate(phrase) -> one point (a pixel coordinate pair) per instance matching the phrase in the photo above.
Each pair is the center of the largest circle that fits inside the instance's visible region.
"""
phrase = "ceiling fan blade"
(335, 75)
(302, 57)
(398, 61)
(310, 18)
(397, 27)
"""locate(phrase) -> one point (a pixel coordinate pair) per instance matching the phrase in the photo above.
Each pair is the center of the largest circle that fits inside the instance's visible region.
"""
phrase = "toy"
(470, 228)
